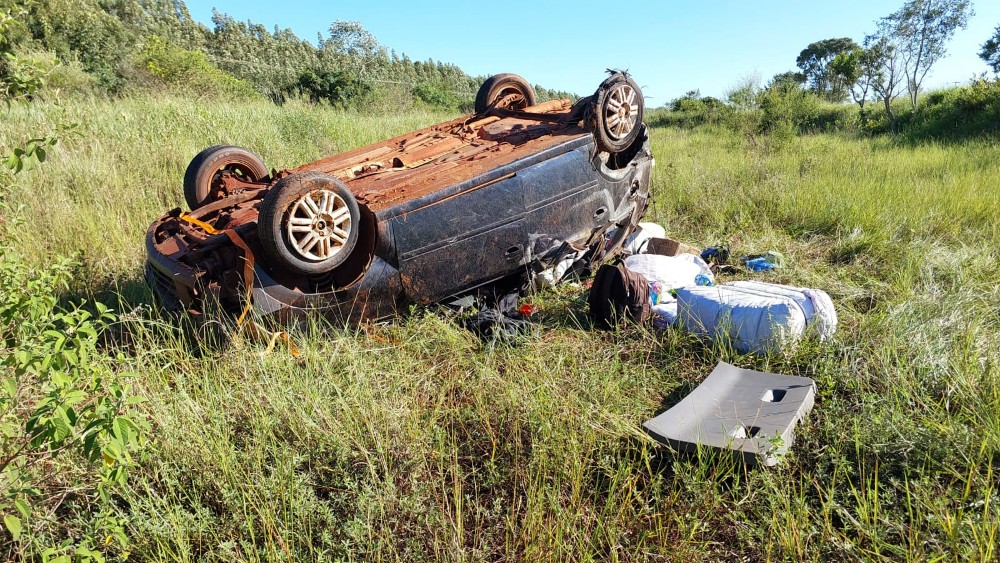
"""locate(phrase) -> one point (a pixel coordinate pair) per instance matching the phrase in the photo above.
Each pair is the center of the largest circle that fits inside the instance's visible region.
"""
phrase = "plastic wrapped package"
(756, 316)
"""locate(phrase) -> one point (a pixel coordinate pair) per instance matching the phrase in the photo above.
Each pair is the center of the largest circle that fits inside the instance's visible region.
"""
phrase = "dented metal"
(444, 209)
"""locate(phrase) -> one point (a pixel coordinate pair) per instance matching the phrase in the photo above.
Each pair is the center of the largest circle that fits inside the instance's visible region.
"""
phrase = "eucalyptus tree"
(991, 51)
(920, 30)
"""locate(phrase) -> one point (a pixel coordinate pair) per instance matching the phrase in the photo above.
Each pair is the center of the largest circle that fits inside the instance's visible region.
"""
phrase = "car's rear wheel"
(203, 172)
(618, 113)
(505, 91)
(309, 223)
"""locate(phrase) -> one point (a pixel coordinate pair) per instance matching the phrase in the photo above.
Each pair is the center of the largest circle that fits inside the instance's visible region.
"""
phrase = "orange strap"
(374, 336)
(247, 271)
(247, 283)
(198, 223)
(261, 333)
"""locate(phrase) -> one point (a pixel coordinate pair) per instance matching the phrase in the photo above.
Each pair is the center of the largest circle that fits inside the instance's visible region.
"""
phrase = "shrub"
(71, 78)
(20, 76)
(68, 432)
(333, 86)
(955, 113)
(68, 429)
(190, 71)
(436, 93)
(83, 31)
(788, 108)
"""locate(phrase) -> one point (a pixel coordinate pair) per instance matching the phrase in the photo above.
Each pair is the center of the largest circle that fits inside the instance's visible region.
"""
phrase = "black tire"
(617, 113)
(286, 200)
(208, 163)
(505, 91)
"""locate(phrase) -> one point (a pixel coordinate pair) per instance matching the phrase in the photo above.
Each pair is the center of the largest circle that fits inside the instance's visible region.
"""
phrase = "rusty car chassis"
(500, 194)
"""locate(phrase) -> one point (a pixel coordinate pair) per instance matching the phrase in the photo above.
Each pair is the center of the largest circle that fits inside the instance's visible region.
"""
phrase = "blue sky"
(670, 47)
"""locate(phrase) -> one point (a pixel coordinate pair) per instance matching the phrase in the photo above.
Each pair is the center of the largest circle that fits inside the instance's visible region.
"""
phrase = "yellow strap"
(261, 333)
(255, 328)
(198, 223)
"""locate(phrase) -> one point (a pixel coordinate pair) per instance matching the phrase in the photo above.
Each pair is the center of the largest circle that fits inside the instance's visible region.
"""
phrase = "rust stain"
(423, 161)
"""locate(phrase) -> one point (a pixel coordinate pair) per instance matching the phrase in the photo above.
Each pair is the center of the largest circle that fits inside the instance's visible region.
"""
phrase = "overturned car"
(498, 195)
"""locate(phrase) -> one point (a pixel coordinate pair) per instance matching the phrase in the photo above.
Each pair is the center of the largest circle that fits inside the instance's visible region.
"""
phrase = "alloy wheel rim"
(319, 225)
(621, 111)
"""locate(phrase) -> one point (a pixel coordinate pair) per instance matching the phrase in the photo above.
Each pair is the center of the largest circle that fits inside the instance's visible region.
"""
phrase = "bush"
(57, 76)
(68, 432)
(437, 94)
(81, 30)
(690, 110)
(955, 113)
(190, 72)
(71, 78)
(788, 108)
(333, 86)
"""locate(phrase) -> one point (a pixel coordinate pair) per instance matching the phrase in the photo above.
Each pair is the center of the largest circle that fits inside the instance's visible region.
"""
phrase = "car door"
(461, 241)
(564, 199)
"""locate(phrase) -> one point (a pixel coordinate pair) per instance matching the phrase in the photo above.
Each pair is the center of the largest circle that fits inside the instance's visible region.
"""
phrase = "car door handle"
(600, 212)
(512, 252)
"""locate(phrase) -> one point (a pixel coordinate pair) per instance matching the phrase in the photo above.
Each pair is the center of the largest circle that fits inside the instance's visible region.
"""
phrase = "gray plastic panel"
(750, 412)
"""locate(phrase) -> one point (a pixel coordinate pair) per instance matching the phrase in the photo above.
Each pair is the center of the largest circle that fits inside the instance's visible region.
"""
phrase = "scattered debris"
(618, 293)
(637, 242)
(669, 247)
(770, 260)
(501, 320)
(716, 254)
(750, 412)
(671, 272)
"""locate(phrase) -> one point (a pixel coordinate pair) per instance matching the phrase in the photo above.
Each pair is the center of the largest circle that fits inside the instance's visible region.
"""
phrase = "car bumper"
(179, 288)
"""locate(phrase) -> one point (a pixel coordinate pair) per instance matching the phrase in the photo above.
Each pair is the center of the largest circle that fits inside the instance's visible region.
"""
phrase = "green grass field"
(410, 441)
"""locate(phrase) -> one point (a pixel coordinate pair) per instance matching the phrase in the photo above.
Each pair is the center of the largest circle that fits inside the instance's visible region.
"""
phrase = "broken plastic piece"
(750, 412)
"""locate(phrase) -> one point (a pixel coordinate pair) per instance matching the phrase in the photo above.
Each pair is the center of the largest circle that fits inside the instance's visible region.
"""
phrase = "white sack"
(665, 314)
(817, 306)
(671, 271)
(753, 321)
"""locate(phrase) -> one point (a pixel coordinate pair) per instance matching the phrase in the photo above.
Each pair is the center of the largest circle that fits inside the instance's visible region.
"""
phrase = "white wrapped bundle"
(756, 316)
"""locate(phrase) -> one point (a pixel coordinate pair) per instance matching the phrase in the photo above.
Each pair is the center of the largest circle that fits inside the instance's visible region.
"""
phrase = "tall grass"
(410, 441)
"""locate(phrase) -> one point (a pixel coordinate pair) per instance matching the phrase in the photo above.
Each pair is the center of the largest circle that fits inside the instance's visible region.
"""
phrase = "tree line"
(121, 45)
(894, 59)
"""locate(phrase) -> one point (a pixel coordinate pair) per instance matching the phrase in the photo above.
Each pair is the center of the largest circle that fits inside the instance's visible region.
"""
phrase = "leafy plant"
(68, 429)
(36, 149)
(58, 401)
(190, 71)
(990, 52)
(335, 87)
(19, 77)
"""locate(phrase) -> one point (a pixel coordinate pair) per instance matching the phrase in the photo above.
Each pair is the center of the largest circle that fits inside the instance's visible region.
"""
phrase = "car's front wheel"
(309, 223)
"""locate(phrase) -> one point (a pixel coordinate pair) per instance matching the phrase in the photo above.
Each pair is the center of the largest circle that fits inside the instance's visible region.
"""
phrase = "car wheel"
(618, 113)
(505, 91)
(205, 168)
(309, 223)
